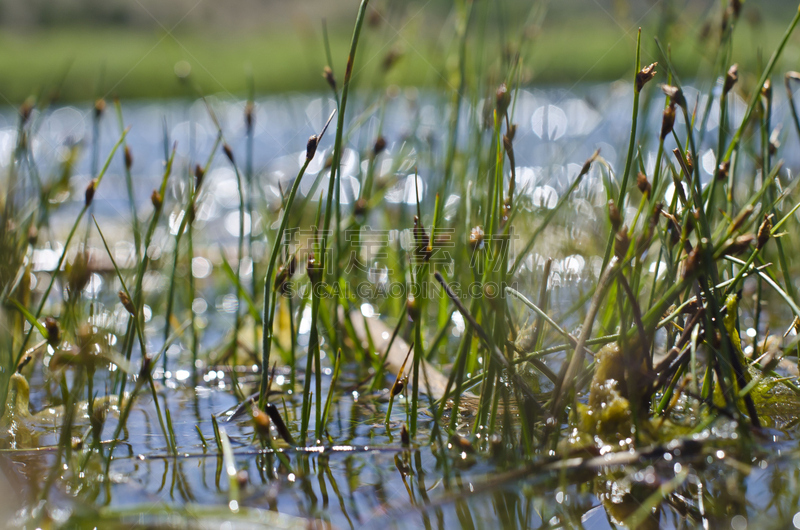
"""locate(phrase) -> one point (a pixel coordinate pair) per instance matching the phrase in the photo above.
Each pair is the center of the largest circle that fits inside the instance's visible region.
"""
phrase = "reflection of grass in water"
(672, 368)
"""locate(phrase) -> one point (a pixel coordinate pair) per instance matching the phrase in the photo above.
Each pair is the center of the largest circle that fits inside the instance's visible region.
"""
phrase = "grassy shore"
(143, 64)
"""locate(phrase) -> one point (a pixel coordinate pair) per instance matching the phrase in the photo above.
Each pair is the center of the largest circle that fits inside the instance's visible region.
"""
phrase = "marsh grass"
(515, 391)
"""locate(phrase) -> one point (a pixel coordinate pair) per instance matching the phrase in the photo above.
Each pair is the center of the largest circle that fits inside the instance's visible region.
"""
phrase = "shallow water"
(360, 475)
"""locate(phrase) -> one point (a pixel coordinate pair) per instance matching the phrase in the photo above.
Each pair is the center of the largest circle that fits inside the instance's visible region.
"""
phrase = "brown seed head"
(53, 331)
(99, 107)
(668, 120)
(285, 272)
(327, 73)
(228, 152)
(643, 184)
(26, 109)
(405, 439)
(126, 303)
(723, 170)
(397, 387)
(675, 95)
(766, 90)
(507, 145)
(391, 58)
(689, 164)
(503, 99)
(311, 147)
(199, 173)
(693, 260)
(476, 237)
(645, 75)
(314, 269)
(739, 245)
(156, 199)
(261, 423)
(731, 78)
(144, 371)
(380, 145)
(90, 189)
(621, 243)
(614, 215)
(764, 232)
(33, 235)
(128, 158)
(360, 208)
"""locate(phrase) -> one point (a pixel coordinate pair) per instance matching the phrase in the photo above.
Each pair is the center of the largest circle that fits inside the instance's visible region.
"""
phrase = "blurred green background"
(83, 49)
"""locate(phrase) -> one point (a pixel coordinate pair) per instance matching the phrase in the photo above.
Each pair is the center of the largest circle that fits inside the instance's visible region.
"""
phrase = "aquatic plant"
(655, 368)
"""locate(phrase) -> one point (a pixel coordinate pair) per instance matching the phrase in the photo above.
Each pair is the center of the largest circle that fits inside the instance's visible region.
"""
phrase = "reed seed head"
(53, 331)
(128, 158)
(26, 109)
(614, 215)
(507, 145)
(261, 423)
(675, 95)
(724, 170)
(621, 243)
(90, 189)
(764, 232)
(33, 235)
(360, 207)
(476, 237)
(503, 98)
(693, 261)
(689, 164)
(380, 145)
(766, 90)
(643, 184)
(327, 73)
(79, 272)
(311, 147)
(126, 303)
(668, 120)
(739, 245)
(99, 107)
(199, 173)
(731, 78)
(144, 371)
(228, 152)
(285, 272)
(156, 199)
(314, 269)
(405, 439)
(397, 387)
(391, 58)
(645, 75)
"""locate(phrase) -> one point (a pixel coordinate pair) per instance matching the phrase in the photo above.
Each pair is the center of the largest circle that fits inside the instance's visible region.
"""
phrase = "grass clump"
(647, 357)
